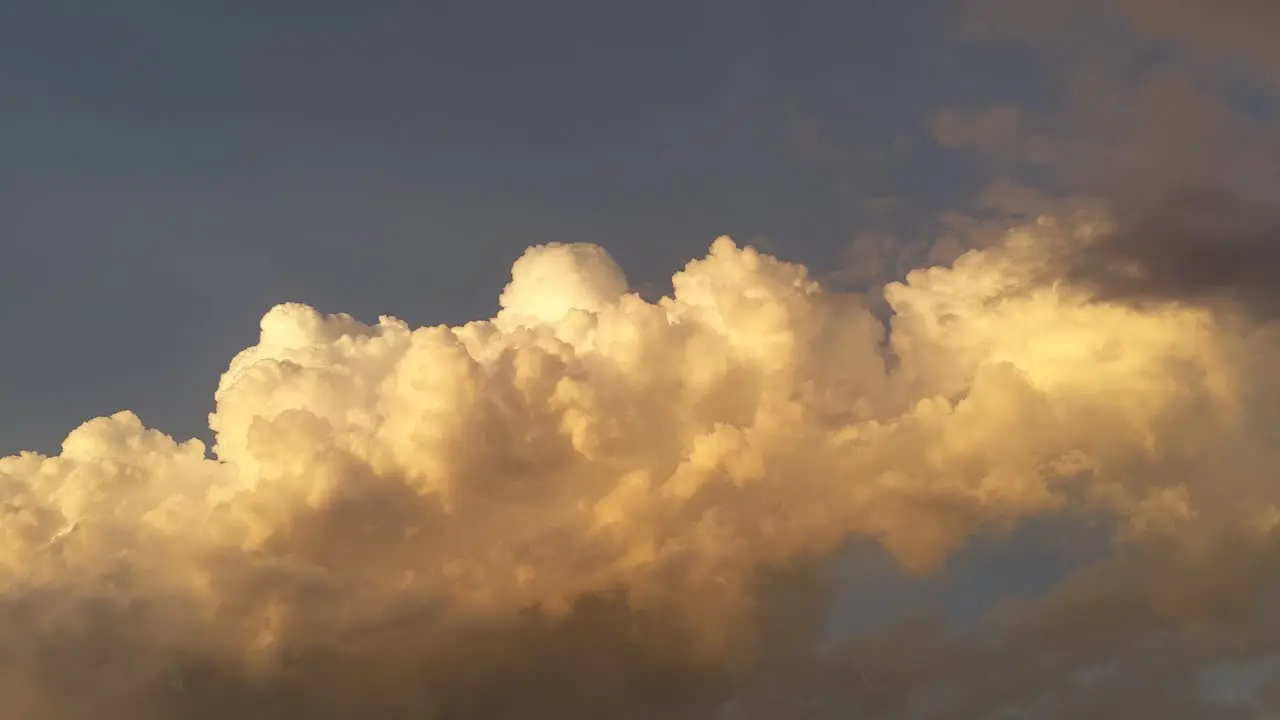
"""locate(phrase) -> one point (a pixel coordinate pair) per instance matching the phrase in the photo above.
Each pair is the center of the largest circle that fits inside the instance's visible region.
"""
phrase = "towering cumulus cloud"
(594, 506)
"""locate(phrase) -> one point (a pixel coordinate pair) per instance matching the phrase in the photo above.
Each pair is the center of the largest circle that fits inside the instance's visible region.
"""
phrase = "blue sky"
(169, 173)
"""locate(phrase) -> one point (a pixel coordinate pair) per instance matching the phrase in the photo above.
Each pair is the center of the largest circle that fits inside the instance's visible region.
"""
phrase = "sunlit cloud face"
(596, 504)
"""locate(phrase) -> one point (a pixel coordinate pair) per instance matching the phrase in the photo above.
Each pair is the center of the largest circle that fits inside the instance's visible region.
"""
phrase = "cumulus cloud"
(1162, 154)
(596, 506)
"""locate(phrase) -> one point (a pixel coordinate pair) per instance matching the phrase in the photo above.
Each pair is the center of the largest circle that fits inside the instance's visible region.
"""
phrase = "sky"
(972, 418)
(202, 164)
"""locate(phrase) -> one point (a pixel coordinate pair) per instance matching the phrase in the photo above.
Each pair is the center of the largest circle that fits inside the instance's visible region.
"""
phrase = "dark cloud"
(1184, 166)
(1248, 28)
(603, 659)
(1191, 247)
(1243, 29)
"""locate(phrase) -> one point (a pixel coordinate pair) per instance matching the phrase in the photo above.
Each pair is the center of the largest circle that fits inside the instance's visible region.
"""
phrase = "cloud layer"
(595, 506)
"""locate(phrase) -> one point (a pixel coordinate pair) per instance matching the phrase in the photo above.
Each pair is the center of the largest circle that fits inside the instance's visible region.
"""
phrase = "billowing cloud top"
(574, 509)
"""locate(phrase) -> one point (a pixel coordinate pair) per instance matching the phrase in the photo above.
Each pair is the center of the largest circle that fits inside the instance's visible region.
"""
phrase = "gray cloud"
(1185, 172)
(1245, 28)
